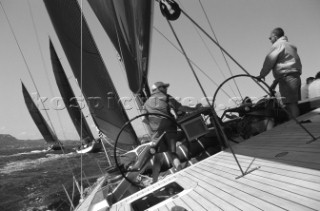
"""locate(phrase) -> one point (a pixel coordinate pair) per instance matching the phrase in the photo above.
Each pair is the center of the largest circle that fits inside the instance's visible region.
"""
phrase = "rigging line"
(132, 95)
(189, 63)
(27, 66)
(112, 145)
(81, 68)
(213, 58)
(235, 61)
(224, 76)
(202, 71)
(138, 107)
(43, 62)
(224, 57)
(59, 143)
(121, 65)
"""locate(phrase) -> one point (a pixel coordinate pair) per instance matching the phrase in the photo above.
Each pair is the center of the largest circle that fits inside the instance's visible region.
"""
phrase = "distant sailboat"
(41, 123)
(88, 68)
(89, 144)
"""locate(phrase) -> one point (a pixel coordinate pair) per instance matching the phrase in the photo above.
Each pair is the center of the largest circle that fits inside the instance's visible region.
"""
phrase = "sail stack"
(88, 68)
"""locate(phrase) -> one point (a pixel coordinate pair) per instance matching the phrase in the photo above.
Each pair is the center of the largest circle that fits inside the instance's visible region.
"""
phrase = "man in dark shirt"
(162, 103)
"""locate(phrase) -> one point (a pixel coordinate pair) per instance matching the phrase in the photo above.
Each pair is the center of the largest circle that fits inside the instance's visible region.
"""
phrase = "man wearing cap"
(161, 103)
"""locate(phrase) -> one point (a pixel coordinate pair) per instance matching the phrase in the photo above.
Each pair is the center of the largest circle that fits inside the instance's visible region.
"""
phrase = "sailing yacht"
(89, 144)
(45, 130)
(274, 170)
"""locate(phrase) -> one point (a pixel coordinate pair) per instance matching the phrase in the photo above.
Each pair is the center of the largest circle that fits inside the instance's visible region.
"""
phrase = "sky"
(242, 27)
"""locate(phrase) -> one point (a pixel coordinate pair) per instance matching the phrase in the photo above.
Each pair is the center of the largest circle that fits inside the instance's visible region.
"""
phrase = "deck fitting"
(281, 154)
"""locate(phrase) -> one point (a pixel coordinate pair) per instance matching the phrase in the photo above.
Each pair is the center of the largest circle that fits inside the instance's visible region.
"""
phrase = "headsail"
(38, 119)
(82, 53)
(69, 98)
(128, 24)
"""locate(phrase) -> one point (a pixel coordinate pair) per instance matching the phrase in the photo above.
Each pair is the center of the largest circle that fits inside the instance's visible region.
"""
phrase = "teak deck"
(287, 175)
(282, 172)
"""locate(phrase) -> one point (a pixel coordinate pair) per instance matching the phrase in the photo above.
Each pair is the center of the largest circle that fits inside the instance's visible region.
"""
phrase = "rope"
(81, 85)
(213, 58)
(137, 105)
(193, 63)
(224, 57)
(27, 66)
(29, 72)
(215, 42)
(102, 137)
(184, 53)
(43, 63)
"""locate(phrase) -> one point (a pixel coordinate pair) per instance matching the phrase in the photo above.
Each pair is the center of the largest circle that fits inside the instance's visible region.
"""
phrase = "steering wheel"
(242, 108)
(146, 154)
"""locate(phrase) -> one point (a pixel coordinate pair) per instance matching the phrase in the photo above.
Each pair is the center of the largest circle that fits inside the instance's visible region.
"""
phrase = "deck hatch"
(157, 196)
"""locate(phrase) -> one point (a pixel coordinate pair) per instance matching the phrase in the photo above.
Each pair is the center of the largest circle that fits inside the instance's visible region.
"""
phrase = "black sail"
(128, 24)
(38, 119)
(69, 98)
(89, 69)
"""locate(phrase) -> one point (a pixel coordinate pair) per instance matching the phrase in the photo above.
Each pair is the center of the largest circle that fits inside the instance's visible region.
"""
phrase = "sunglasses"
(162, 87)
(271, 37)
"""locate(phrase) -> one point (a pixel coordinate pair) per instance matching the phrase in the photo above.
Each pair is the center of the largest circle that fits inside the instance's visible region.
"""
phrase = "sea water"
(32, 178)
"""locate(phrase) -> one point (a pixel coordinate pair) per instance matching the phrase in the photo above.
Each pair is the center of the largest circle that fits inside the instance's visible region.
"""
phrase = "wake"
(27, 164)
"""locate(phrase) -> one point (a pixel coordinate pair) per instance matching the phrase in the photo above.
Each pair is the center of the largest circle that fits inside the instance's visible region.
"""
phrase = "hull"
(92, 147)
(55, 147)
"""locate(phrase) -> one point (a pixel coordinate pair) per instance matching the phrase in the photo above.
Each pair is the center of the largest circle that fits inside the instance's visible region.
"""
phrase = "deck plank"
(285, 184)
(240, 199)
(246, 161)
(205, 203)
(303, 180)
(239, 193)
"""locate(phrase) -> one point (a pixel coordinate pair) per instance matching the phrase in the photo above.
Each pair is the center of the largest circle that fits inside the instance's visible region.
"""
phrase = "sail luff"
(38, 119)
(69, 98)
(82, 53)
(128, 25)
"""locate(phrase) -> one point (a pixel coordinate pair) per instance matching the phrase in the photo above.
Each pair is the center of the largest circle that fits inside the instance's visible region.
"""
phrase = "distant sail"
(38, 119)
(128, 23)
(69, 98)
(100, 93)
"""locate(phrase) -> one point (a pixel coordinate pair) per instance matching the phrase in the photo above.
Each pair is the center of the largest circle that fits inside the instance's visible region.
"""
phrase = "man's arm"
(177, 106)
(270, 60)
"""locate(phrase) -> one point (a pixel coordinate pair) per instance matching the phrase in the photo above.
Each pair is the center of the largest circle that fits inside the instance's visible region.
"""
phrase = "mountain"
(7, 139)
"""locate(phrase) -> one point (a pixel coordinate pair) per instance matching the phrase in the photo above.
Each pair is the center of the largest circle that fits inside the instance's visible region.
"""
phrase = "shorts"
(289, 87)
(160, 125)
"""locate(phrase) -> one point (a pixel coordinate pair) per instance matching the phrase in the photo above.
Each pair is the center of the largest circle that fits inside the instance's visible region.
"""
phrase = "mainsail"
(89, 69)
(38, 119)
(69, 98)
(128, 24)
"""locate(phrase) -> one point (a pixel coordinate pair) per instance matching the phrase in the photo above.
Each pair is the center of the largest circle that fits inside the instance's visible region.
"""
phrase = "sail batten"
(76, 40)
